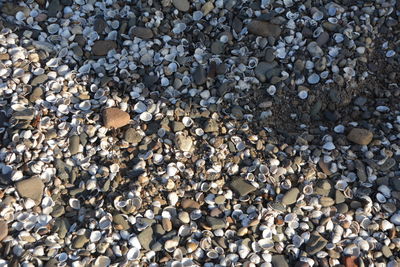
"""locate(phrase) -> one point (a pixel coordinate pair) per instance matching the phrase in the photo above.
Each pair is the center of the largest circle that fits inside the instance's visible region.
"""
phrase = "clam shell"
(133, 253)
(146, 116)
(74, 203)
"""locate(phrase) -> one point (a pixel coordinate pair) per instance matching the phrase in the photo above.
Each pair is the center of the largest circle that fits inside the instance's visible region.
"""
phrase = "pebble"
(115, 118)
(360, 136)
(200, 75)
(184, 143)
(242, 187)
(39, 80)
(211, 126)
(184, 217)
(53, 8)
(133, 136)
(36, 94)
(216, 223)
(80, 241)
(74, 144)
(3, 229)
(31, 188)
(316, 243)
(279, 261)
(181, 5)
(189, 204)
(142, 33)
(263, 28)
(121, 222)
(146, 237)
(290, 196)
(26, 114)
(101, 47)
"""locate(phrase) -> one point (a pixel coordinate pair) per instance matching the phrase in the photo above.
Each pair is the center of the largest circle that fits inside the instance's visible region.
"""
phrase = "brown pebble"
(360, 136)
(115, 118)
(3, 230)
(166, 224)
(101, 47)
(351, 261)
(190, 204)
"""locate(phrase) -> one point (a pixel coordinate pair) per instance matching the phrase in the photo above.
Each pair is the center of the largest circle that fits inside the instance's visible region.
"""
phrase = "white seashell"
(212, 254)
(172, 170)
(53, 28)
(313, 78)
(386, 225)
(133, 253)
(266, 243)
(339, 129)
(170, 245)
(303, 94)
(187, 121)
(62, 257)
(102, 261)
(381, 198)
(195, 215)
(140, 107)
(95, 236)
(20, 16)
(104, 223)
(146, 116)
(53, 63)
(308, 189)
(74, 203)
(63, 109)
(85, 105)
(341, 185)
(29, 203)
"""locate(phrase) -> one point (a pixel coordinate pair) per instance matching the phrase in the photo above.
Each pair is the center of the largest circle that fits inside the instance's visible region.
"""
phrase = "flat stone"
(351, 261)
(142, 33)
(389, 163)
(99, 25)
(339, 197)
(216, 223)
(183, 142)
(211, 126)
(316, 243)
(387, 252)
(26, 114)
(58, 210)
(264, 28)
(279, 261)
(61, 227)
(31, 188)
(177, 126)
(51, 263)
(322, 188)
(361, 172)
(40, 79)
(115, 118)
(326, 201)
(217, 47)
(189, 204)
(80, 241)
(146, 237)
(3, 229)
(166, 224)
(53, 8)
(323, 39)
(36, 94)
(181, 5)
(324, 167)
(200, 75)
(133, 136)
(73, 144)
(262, 68)
(121, 221)
(101, 47)
(242, 187)
(290, 196)
(360, 136)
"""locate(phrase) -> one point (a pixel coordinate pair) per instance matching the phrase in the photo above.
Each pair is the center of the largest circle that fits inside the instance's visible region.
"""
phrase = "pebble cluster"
(153, 133)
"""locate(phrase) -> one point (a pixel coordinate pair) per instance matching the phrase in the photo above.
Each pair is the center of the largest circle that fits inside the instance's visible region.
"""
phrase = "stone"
(323, 39)
(264, 28)
(80, 241)
(279, 261)
(183, 216)
(142, 33)
(61, 227)
(339, 197)
(36, 94)
(146, 237)
(324, 167)
(40, 79)
(326, 201)
(361, 172)
(121, 221)
(181, 5)
(360, 136)
(190, 204)
(177, 126)
(101, 47)
(211, 126)
(316, 243)
(166, 224)
(350, 261)
(51, 263)
(54, 7)
(115, 118)
(389, 163)
(217, 47)
(3, 229)
(242, 187)
(73, 144)
(215, 223)
(58, 210)
(290, 196)
(26, 114)
(133, 136)
(99, 25)
(385, 251)
(184, 142)
(262, 68)
(207, 7)
(31, 188)
(200, 75)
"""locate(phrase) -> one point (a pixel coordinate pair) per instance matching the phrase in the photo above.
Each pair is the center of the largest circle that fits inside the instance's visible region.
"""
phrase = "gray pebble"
(242, 187)
(133, 136)
(290, 196)
(146, 237)
(279, 261)
(74, 144)
(200, 75)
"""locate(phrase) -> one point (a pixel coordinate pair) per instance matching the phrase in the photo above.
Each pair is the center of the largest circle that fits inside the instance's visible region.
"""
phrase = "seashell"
(170, 245)
(74, 203)
(187, 121)
(62, 257)
(195, 215)
(286, 184)
(53, 63)
(271, 90)
(265, 243)
(212, 254)
(133, 253)
(85, 105)
(341, 185)
(140, 107)
(104, 223)
(385, 190)
(381, 198)
(95, 236)
(348, 193)
(390, 53)
(146, 116)
(102, 261)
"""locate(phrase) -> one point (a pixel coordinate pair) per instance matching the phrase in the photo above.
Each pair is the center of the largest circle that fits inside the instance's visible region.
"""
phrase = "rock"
(99, 25)
(189, 204)
(183, 142)
(3, 229)
(315, 50)
(80, 241)
(217, 47)
(316, 243)
(361, 172)
(51, 263)
(183, 216)
(350, 261)
(146, 237)
(323, 39)
(36, 94)
(395, 219)
(215, 223)
(279, 261)
(200, 75)
(61, 227)
(264, 28)
(26, 114)
(389, 163)
(40, 79)
(385, 250)
(177, 126)
(101, 47)
(339, 197)
(142, 33)
(302, 264)
(133, 136)
(58, 210)
(77, 50)
(211, 126)
(262, 68)
(290, 196)
(166, 224)
(115, 118)
(181, 5)
(360, 136)
(121, 221)
(326, 202)
(360, 101)
(31, 188)
(322, 188)
(74, 144)
(53, 8)
(207, 7)
(324, 167)
(242, 187)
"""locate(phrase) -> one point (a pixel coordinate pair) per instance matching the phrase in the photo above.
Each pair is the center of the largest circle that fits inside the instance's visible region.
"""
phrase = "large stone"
(3, 229)
(101, 47)
(264, 28)
(200, 75)
(31, 188)
(184, 142)
(115, 118)
(121, 222)
(181, 5)
(146, 237)
(242, 187)
(26, 114)
(316, 243)
(133, 136)
(360, 136)
(74, 144)
(290, 196)
(190, 204)
(279, 261)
